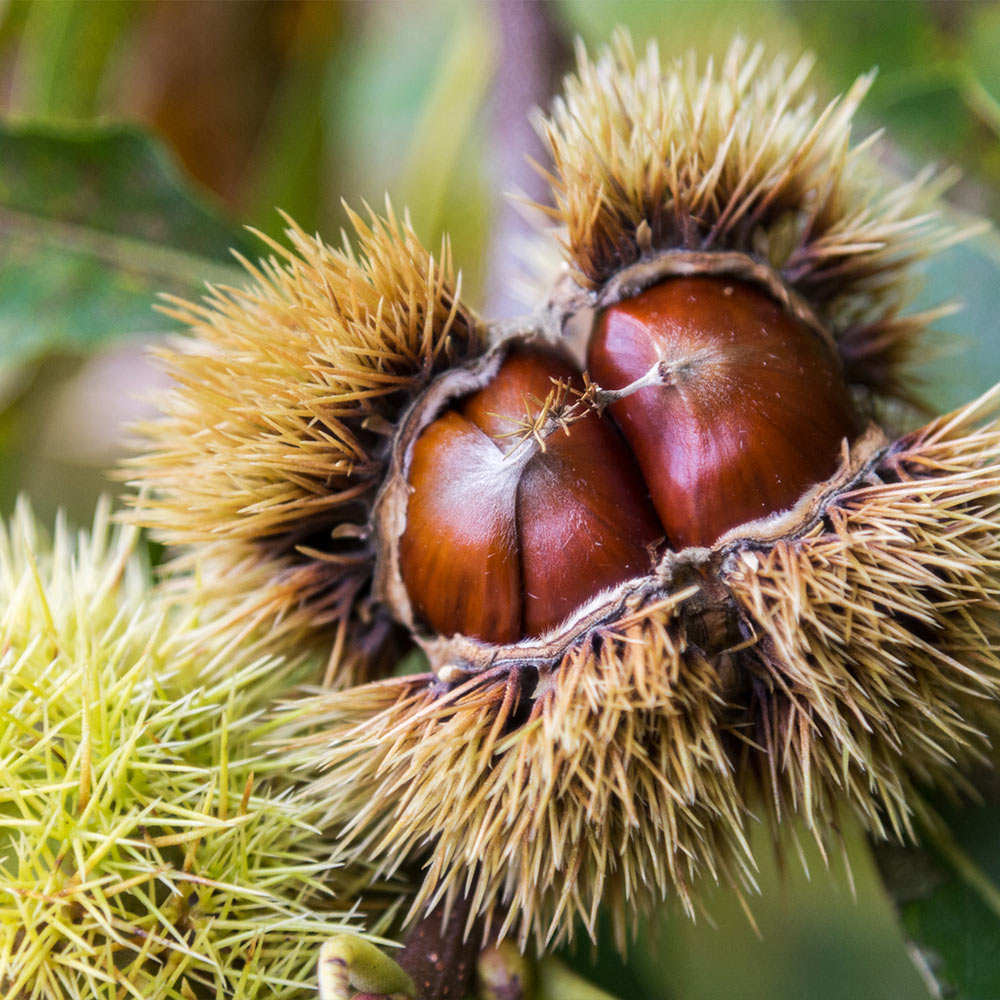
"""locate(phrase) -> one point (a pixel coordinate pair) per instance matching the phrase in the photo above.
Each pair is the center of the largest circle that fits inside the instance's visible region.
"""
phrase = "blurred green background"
(294, 105)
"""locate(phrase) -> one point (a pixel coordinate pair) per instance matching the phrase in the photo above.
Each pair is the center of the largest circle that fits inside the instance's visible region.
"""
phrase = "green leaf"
(557, 981)
(451, 110)
(961, 352)
(94, 222)
(947, 892)
(851, 38)
(287, 169)
(63, 54)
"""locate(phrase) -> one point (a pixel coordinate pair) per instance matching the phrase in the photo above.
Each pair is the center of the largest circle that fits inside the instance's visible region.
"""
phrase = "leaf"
(94, 222)
(979, 39)
(947, 892)
(287, 169)
(451, 110)
(851, 39)
(960, 354)
(63, 54)
(557, 981)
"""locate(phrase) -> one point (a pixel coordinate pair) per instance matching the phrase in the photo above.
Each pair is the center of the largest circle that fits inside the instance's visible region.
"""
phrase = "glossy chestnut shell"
(754, 410)
(507, 532)
(504, 538)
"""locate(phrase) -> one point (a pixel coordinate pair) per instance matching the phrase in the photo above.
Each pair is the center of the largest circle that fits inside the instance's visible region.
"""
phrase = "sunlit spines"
(506, 778)
(273, 438)
(146, 846)
(652, 157)
(878, 639)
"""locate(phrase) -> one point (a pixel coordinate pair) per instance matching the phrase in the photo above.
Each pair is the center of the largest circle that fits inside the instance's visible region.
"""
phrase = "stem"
(661, 373)
(564, 405)
(531, 58)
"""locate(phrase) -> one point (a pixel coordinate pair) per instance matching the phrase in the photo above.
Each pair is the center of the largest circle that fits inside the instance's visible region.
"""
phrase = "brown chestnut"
(751, 410)
(506, 535)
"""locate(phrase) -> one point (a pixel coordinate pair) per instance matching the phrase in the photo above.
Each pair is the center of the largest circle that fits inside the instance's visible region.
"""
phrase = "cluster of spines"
(143, 850)
(273, 438)
(603, 778)
(878, 639)
(650, 159)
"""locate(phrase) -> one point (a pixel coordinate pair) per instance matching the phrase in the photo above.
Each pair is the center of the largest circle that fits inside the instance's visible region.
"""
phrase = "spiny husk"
(140, 856)
(630, 769)
(599, 779)
(854, 654)
(877, 630)
(273, 439)
(652, 159)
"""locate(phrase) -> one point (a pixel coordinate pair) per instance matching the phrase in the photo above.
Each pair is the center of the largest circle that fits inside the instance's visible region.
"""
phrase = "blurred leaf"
(851, 38)
(681, 24)
(603, 964)
(451, 109)
(925, 109)
(286, 168)
(387, 67)
(815, 934)
(981, 35)
(938, 86)
(982, 78)
(962, 362)
(93, 223)
(947, 892)
(408, 114)
(917, 92)
(557, 982)
(236, 88)
(63, 54)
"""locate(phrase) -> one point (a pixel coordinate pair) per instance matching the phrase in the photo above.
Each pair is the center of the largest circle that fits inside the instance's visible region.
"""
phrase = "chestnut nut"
(508, 533)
